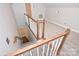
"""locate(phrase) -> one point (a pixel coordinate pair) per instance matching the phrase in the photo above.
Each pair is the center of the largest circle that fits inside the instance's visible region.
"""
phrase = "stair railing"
(39, 29)
(48, 47)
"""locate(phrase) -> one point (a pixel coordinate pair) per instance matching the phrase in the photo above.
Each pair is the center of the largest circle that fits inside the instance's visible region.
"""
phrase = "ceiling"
(49, 5)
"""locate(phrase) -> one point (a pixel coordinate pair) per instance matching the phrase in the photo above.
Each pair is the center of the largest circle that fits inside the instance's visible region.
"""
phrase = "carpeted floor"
(70, 47)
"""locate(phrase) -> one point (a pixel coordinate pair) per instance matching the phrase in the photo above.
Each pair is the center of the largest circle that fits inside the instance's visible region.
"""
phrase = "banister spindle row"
(48, 49)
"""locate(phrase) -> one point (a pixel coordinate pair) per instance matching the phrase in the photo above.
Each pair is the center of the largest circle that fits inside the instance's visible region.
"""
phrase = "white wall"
(64, 16)
(7, 29)
(19, 10)
(37, 9)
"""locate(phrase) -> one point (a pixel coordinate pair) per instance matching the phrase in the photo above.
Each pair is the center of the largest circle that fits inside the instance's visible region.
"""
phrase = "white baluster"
(58, 45)
(48, 49)
(51, 49)
(43, 50)
(30, 53)
(38, 51)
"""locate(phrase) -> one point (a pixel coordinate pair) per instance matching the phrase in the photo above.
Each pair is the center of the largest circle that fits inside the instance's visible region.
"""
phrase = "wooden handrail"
(40, 21)
(30, 17)
(38, 43)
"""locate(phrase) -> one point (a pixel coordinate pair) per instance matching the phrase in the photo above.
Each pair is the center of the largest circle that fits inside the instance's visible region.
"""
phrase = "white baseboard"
(74, 30)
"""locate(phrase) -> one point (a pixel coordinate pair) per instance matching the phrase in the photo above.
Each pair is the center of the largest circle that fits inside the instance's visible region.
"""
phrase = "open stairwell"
(46, 41)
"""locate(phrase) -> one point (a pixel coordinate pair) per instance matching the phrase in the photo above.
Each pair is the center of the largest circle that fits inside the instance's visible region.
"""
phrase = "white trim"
(74, 30)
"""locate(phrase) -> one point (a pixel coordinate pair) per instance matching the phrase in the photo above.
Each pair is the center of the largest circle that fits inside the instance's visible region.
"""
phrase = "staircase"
(50, 46)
